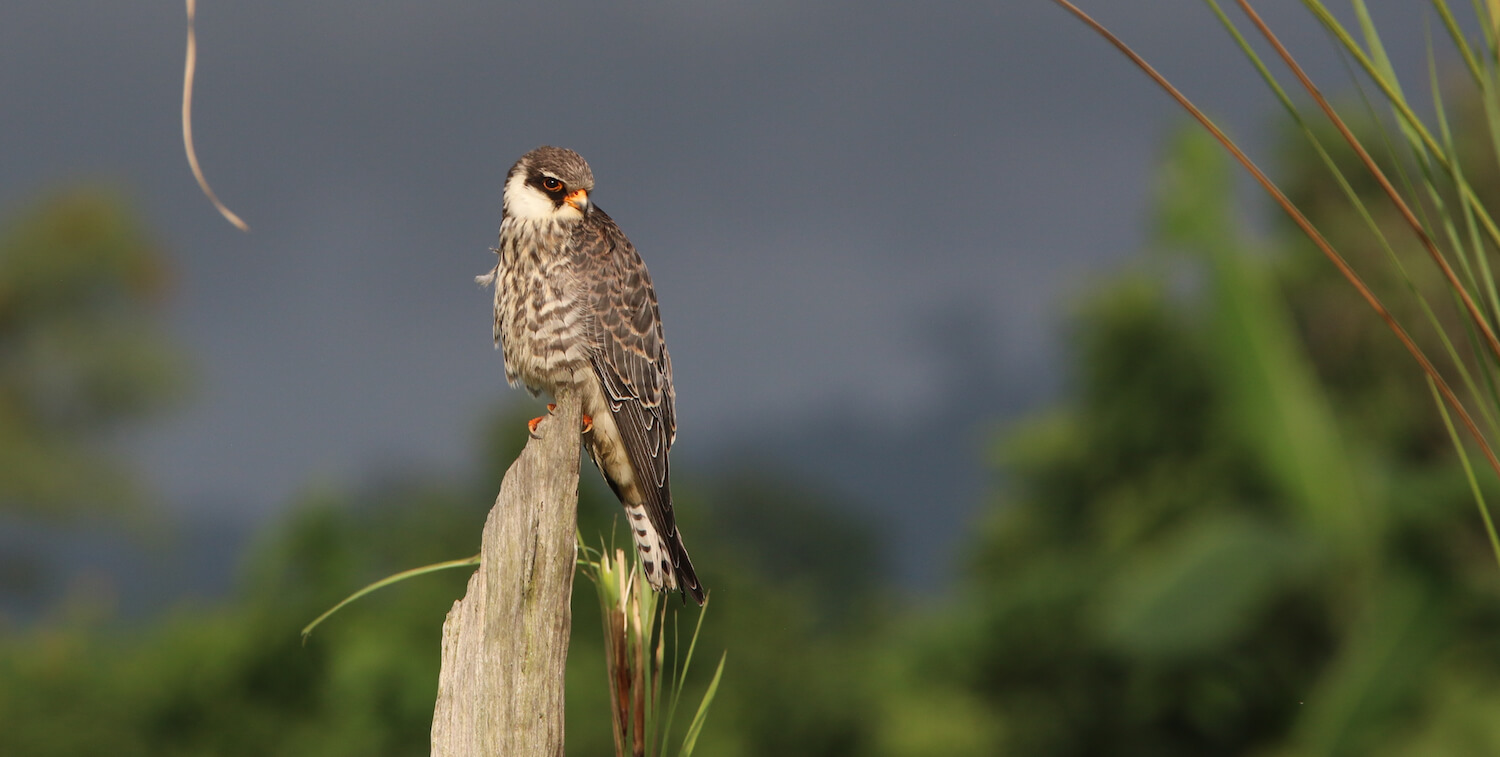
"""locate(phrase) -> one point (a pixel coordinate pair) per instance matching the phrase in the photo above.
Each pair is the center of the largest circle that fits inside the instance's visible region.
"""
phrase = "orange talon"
(588, 424)
(534, 422)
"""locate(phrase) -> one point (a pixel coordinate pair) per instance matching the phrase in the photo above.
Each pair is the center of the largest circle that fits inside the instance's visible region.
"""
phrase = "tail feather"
(665, 561)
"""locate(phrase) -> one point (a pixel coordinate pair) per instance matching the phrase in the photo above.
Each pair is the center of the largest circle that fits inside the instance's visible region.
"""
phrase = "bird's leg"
(534, 422)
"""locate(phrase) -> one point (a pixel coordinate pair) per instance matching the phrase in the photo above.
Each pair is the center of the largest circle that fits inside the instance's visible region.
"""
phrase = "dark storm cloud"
(812, 184)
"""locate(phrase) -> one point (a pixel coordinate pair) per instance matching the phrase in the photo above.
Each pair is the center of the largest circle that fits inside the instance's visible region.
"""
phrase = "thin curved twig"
(189, 67)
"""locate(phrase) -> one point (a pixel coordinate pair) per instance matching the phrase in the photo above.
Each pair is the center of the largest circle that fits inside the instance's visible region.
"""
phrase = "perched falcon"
(574, 307)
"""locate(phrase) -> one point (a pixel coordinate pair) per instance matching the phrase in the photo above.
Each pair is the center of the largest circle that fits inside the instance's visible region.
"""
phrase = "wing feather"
(629, 355)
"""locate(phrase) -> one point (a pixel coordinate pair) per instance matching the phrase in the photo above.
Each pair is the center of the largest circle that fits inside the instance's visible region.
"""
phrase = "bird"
(575, 310)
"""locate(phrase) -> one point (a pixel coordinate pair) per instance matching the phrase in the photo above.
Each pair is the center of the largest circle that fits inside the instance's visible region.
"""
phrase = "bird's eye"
(550, 184)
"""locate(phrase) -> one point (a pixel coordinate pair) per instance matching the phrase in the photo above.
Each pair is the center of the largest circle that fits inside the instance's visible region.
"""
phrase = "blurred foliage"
(234, 679)
(1207, 551)
(1242, 531)
(81, 351)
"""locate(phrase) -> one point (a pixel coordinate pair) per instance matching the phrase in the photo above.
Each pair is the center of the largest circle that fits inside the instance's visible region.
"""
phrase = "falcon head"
(549, 184)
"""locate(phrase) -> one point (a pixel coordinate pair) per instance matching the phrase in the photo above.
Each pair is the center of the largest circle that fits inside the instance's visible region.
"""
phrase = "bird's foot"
(534, 422)
(588, 424)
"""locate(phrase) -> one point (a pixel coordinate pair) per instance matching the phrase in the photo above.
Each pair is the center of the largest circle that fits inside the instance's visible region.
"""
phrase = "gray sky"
(852, 210)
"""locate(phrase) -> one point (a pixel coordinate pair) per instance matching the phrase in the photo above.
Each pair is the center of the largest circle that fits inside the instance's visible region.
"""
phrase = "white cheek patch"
(527, 202)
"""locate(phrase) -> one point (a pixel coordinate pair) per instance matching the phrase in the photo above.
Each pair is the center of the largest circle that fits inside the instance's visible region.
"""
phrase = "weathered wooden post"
(505, 644)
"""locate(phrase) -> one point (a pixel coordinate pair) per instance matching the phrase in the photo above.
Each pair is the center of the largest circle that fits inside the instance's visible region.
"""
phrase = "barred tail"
(666, 562)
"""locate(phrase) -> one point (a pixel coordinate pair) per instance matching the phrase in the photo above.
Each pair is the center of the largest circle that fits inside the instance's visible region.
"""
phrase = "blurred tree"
(233, 680)
(1195, 555)
(81, 351)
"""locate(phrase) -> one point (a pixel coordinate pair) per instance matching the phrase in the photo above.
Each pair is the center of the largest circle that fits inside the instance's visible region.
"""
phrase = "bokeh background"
(1007, 426)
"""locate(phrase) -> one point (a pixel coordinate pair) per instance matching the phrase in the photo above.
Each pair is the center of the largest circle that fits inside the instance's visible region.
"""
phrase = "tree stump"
(505, 644)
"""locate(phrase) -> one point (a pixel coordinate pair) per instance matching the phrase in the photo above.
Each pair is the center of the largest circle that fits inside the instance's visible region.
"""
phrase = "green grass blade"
(586, 555)
(1382, 61)
(676, 686)
(1391, 90)
(1327, 159)
(1489, 400)
(384, 582)
(1484, 75)
(693, 643)
(682, 669)
(1475, 246)
(690, 740)
(1393, 95)
(1260, 65)
(1489, 21)
(1459, 40)
(1359, 206)
(1407, 116)
(1463, 458)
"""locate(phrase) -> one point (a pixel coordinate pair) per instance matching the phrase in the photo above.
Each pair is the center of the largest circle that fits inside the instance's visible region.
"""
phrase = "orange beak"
(579, 199)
